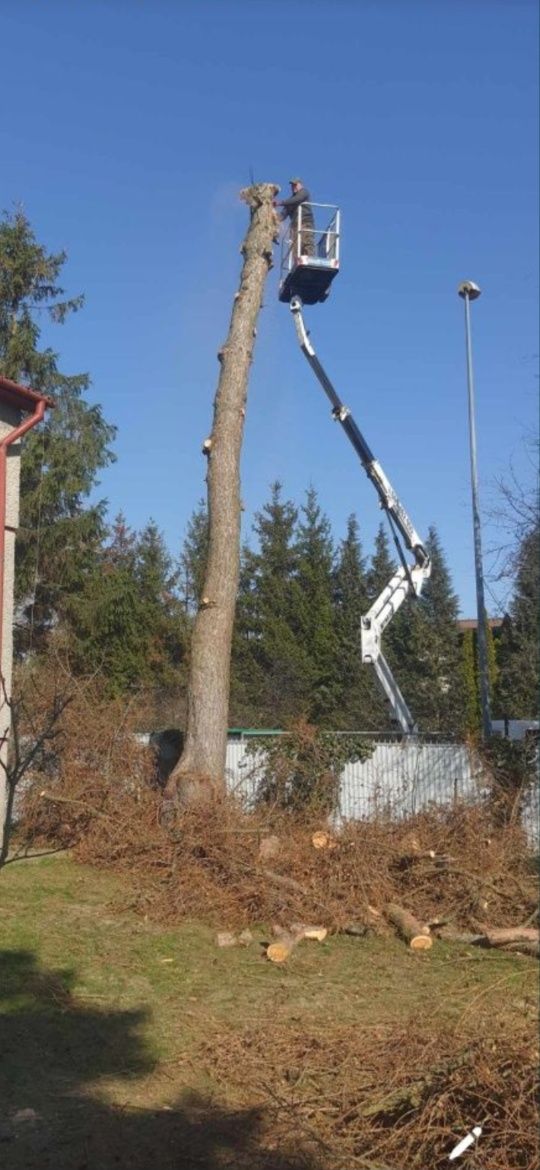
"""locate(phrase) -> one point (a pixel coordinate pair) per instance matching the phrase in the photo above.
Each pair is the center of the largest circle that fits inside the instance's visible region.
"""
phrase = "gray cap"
(295, 181)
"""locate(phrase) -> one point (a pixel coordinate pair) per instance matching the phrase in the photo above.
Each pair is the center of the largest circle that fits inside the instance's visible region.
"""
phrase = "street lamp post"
(469, 292)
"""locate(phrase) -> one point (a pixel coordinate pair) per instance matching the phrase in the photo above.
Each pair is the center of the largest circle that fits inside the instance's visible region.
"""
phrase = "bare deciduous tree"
(41, 730)
(200, 770)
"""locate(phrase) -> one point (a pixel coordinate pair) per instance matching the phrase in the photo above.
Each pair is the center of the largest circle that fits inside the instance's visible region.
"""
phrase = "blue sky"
(128, 128)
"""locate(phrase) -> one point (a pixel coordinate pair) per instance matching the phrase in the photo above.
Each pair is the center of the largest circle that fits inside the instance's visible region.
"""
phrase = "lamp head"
(469, 289)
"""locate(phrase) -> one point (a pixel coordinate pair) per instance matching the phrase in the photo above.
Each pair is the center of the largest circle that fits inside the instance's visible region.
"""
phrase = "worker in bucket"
(302, 229)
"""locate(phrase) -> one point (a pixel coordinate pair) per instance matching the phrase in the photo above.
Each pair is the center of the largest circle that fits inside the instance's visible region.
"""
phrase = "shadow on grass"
(55, 1050)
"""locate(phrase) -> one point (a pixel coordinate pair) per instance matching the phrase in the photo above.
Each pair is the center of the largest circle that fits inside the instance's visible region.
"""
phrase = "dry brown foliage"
(374, 1099)
(99, 798)
(386, 1097)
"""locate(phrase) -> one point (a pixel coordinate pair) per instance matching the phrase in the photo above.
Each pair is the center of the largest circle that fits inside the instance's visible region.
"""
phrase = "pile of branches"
(387, 1097)
(96, 790)
(99, 796)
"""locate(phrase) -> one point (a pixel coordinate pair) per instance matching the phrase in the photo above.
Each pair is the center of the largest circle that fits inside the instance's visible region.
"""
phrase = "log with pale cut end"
(318, 933)
(301, 930)
(320, 840)
(417, 935)
(280, 951)
(225, 938)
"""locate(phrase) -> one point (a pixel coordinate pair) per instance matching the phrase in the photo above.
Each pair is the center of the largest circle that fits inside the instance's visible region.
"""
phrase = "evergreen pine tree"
(359, 706)
(107, 617)
(270, 666)
(517, 688)
(396, 635)
(193, 558)
(432, 662)
(60, 533)
(470, 683)
(382, 565)
(313, 616)
(128, 623)
(493, 666)
(164, 628)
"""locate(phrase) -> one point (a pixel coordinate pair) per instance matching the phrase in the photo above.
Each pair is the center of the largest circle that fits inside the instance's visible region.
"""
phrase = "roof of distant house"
(21, 397)
(472, 624)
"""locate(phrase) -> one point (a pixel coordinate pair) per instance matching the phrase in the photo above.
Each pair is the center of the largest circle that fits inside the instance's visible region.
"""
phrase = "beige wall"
(9, 418)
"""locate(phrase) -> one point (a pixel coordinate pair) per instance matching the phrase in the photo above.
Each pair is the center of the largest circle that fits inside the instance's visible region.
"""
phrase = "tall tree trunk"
(201, 768)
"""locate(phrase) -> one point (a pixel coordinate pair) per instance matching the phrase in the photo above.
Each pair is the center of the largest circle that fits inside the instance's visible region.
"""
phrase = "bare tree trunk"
(200, 770)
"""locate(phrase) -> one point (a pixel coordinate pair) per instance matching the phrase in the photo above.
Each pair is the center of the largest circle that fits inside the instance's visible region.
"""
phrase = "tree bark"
(200, 771)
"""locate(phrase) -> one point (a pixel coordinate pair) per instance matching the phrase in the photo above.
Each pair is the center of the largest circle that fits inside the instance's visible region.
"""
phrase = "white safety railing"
(312, 236)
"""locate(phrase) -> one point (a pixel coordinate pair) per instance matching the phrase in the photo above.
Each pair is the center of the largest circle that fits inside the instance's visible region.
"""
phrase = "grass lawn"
(109, 1023)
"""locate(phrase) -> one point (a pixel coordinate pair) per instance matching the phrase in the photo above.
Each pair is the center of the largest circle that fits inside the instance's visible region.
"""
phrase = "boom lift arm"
(408, 579)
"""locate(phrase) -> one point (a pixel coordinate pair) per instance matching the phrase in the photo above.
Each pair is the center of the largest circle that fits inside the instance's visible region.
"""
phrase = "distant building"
(465, 624)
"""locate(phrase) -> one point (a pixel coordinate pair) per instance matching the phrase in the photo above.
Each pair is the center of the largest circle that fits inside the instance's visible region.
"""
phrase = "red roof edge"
(21, 397)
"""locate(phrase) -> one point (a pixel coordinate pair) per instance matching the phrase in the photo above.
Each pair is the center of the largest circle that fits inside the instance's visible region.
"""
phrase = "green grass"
(104, 1014)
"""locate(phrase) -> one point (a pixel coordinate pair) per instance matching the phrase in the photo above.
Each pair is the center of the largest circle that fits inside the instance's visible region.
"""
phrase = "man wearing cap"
(303, 241)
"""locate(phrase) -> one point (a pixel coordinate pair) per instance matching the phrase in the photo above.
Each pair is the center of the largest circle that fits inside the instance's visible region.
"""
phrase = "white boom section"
(409, 579)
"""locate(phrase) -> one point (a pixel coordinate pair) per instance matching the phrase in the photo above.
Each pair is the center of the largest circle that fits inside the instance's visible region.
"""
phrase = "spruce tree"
(107, 616)
(60, 532)
(359, 706)
(164, 626)
(193, 558)
(517, 689)
(382, 565)
(313, 610)
(470, 683)
(381, 570)
(270, 666)
(431, 659)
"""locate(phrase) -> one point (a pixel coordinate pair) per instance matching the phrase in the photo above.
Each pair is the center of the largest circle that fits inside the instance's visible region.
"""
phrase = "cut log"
(417, 935)
(498, 936)
(298, 931)
(322, 840)
(524, 948)
(510, 938)
(226, 939)
(318, 933)
(356, 929)
(279, 952)
(450, 934)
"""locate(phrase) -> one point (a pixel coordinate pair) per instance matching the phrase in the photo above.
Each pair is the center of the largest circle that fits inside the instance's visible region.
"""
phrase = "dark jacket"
(290, 205)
